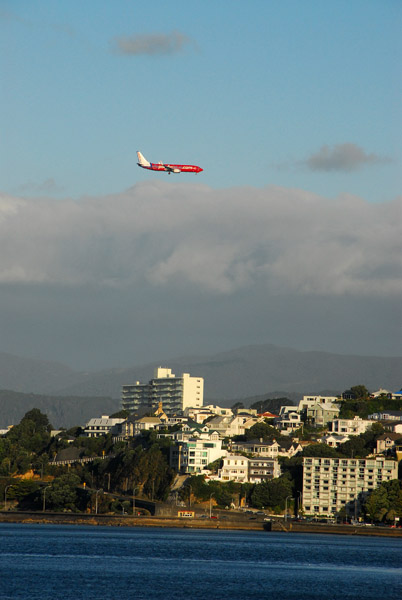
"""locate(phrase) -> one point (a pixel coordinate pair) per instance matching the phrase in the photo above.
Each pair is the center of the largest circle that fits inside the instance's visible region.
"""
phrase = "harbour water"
(50, 562)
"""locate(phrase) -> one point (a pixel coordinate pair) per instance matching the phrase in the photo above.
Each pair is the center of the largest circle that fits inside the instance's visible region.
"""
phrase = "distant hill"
(239, 374)
(61, 411)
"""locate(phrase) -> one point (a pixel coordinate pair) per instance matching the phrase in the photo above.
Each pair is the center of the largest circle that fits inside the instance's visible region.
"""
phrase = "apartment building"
(173, 393)
(193, 454)
(330, 484)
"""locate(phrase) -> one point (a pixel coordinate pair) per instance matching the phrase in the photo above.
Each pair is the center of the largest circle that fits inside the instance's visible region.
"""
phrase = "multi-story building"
(354, 426)
(192, 453)
(241, 469)
(175, 393)
(330, 484)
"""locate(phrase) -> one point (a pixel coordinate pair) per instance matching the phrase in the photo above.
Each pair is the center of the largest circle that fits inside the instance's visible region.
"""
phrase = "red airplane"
(145, 164)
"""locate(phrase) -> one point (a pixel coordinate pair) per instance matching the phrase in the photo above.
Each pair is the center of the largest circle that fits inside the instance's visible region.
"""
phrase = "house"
(241, 469)
(257, 448)
(320, 414)
(386, 441)
(309, 401)
(287, 422)
(334, 440)
(289, 448)
(234, 468)
(102, 426)
(228, 426)
(354, 426)
(387, 415)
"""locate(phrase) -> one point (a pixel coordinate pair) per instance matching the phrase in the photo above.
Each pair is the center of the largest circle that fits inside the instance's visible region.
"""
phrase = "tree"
(272, 493)
(377, 504)
(62, 493)
(360, 392)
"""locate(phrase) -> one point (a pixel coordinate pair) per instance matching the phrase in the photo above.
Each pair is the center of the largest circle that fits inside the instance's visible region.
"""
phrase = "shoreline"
(193, 523)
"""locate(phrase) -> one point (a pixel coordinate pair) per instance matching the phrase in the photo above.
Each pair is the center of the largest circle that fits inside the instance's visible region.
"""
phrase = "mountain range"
(230, 376)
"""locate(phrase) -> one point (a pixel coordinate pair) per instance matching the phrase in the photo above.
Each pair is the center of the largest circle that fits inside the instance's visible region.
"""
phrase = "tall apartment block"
(330, 484)
(175, 393)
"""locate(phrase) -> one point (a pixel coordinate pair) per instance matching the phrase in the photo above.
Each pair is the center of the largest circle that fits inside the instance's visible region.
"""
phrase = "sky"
(291, 235)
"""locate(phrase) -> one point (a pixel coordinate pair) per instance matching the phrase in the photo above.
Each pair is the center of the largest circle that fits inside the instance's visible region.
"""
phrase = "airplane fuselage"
(168, 168)
(172, 168)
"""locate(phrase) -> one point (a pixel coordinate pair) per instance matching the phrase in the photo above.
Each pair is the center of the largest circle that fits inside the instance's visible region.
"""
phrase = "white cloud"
(175, 235)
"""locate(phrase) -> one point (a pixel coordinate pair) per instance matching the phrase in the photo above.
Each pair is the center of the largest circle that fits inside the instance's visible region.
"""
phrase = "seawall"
(194, 523)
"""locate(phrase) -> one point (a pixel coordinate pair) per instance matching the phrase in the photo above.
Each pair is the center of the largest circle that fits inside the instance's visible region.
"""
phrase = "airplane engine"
(176, 171)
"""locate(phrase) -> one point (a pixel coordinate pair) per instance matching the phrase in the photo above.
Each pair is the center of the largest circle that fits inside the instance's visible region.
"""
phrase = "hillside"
(239, 374)
(61, 411)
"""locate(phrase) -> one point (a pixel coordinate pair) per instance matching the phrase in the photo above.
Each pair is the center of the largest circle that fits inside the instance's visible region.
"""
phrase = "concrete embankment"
(194, 523)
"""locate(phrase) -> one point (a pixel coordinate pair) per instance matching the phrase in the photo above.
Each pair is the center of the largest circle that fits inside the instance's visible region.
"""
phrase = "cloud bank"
(152, 44)
(176, 235)
(342, 157)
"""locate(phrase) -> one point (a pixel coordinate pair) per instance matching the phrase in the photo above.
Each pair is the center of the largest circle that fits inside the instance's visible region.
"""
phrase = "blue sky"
(290, 235)
(250, 92)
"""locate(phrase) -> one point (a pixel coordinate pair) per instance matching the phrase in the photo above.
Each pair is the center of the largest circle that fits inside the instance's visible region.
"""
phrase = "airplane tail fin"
(143, 162)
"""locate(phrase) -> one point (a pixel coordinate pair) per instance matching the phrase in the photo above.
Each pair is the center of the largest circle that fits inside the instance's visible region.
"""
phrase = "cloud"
(181, 236)
(342, 157)
(48, 186)
(152, 44)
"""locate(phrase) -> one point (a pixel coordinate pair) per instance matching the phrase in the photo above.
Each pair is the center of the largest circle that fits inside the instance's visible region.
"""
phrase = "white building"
(175, 393)
(334, 440)
(193, 454)
(241, 469)
(97, 427)
(354, 426)
(330, 484)
(288, 421)
(309, 401)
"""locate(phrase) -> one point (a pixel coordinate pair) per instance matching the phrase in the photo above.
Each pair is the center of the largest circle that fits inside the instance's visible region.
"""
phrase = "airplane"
(145, 164)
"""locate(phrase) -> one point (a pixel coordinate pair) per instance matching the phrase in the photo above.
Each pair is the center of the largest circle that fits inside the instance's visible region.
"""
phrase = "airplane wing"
(171, 169)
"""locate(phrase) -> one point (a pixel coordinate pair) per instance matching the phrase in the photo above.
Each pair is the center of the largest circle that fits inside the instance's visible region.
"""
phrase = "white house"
(354, 426)
(241, 469)
(101, 426)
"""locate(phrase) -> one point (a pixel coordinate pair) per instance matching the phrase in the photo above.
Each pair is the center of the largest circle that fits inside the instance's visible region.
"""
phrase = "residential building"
(331, 484)
(309, 401)
(354, 426)
(257, 448)
(101, 426)
(241, 469)
(387, 415)
(234, 468)
(228, 426)
(320, 414)
(288, 421)
(175, 393)
(386, 442)
(193, 454)
(334, 440)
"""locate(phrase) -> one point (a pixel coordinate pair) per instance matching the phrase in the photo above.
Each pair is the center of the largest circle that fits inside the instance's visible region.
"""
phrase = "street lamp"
(286, 507)
(299, 502)
(44, 497)
(96, 500)
(134, 490)
(210, 506)
(5, 495)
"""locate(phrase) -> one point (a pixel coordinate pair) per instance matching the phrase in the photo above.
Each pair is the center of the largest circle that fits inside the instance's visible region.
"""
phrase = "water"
(49, 562)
